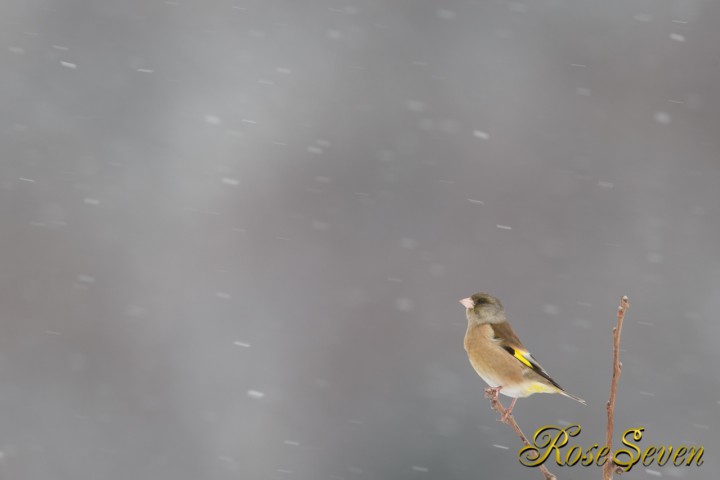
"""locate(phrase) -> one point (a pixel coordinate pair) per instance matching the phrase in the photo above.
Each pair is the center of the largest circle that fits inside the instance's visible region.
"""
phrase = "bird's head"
(483, 308)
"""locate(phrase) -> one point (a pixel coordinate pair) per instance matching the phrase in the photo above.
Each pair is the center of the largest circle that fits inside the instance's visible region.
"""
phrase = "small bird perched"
(498, 356)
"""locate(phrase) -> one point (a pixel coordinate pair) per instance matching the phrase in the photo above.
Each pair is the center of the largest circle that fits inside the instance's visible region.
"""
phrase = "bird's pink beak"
(467, 302)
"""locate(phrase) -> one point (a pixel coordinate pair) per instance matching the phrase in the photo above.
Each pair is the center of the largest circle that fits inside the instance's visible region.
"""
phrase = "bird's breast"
(494, 365)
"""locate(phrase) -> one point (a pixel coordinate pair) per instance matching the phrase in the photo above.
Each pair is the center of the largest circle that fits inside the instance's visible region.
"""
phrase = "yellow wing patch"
(519, 355)
(526, 359)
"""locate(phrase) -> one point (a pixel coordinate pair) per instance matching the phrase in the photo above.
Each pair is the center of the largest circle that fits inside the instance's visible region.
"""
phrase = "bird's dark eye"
(480, 301)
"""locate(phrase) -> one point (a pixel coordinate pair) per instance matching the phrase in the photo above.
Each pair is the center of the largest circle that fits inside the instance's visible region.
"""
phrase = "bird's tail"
(570, 395)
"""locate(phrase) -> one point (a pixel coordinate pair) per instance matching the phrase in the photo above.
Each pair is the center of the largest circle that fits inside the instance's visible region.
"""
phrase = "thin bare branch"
(609, 468)
(492, 394)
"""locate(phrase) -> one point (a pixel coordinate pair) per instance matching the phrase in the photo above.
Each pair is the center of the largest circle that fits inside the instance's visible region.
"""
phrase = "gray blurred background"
(234, 233)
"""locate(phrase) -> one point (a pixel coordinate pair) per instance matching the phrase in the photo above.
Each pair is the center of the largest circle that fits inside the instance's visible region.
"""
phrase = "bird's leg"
(504, 416)
(493, 393)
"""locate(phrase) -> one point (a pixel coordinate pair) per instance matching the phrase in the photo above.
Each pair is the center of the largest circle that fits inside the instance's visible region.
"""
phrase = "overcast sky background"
(234, 233)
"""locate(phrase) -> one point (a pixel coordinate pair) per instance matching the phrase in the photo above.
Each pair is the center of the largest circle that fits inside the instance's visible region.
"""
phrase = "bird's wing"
(504, 334)
(508, 340)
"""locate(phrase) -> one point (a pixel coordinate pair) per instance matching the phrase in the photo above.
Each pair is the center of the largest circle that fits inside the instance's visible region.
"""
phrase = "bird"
(498, 356)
